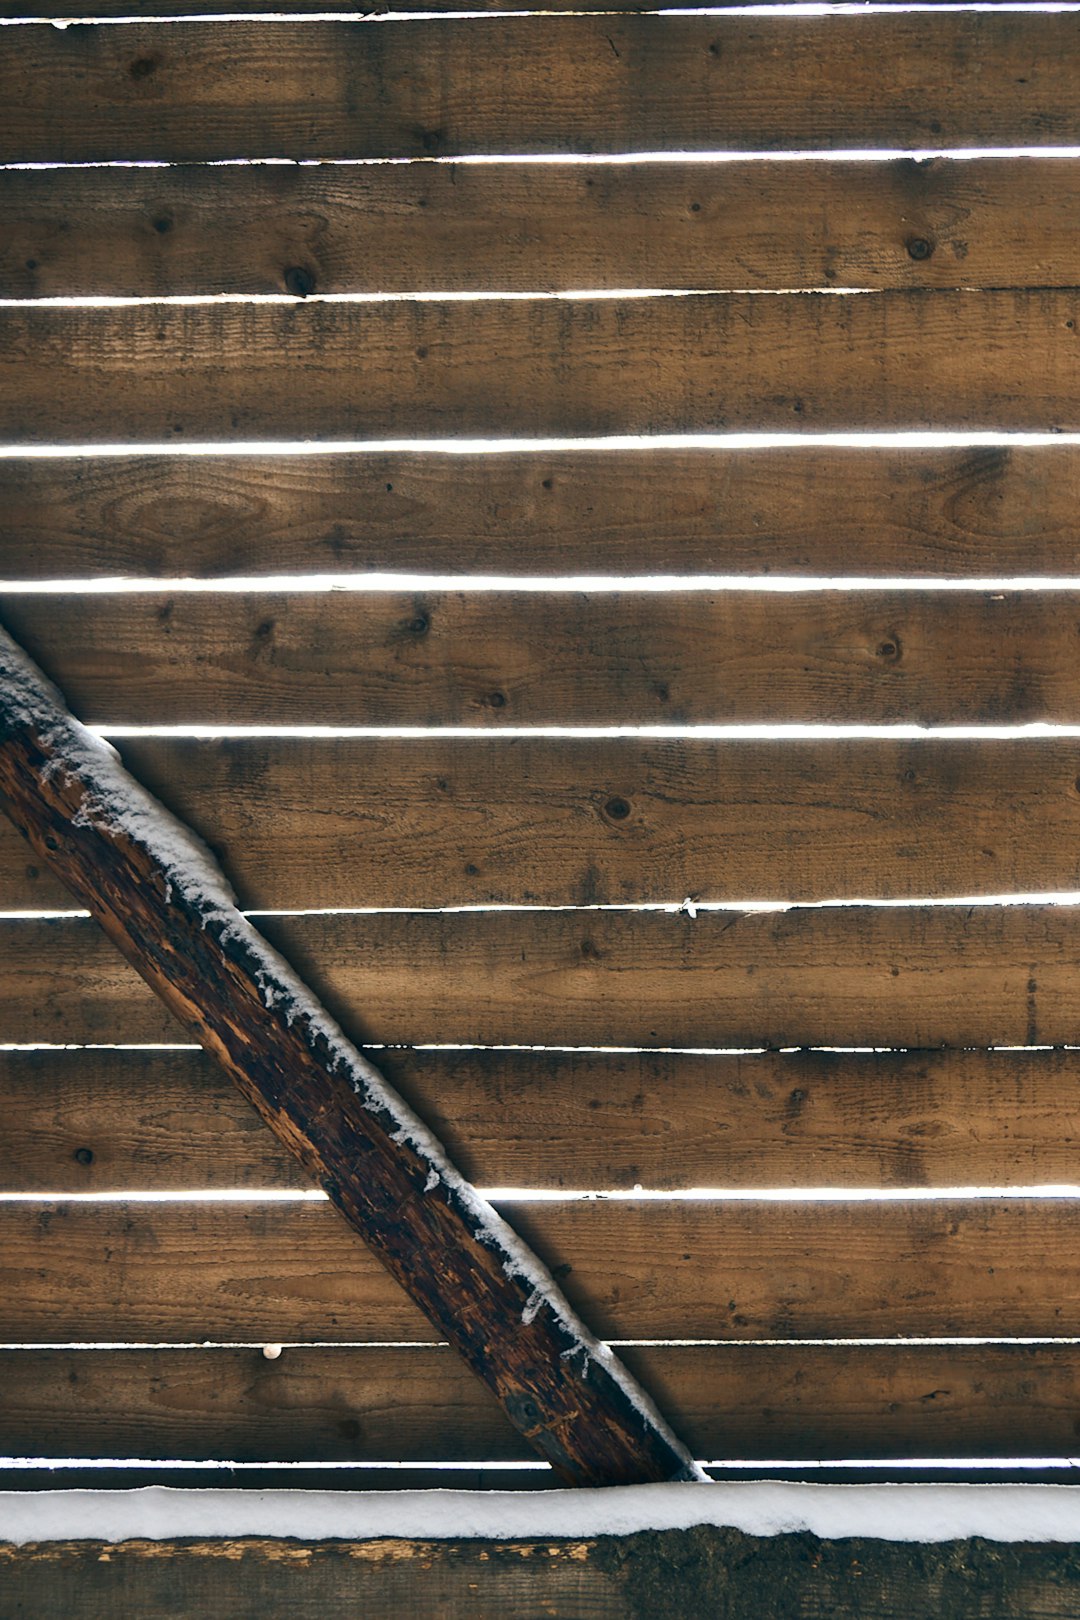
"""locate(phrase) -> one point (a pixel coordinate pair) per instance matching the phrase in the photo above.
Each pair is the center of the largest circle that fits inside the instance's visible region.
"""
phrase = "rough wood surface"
(193, 91)
(159, 1121)
(588, 821)
(848, 976)
(169, 914)
(982, 511)
(304, 824)
(812, 1402)
(423, 227)
(115, 1272)
(721, 1573)
(624, 365)
(390, 1477)
(483, 658)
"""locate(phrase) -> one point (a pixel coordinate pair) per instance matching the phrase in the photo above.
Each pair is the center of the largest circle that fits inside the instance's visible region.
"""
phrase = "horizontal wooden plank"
(423, 227)
(734, 1270)
(195, 91)
(665, 1575)
(503, 658)
(981, 511)
(850, 976)
(739, 1401)
(93, 1121)
(722, 1573)
(380, 1579)
(326, 371)
(391, 1477)
(309, 823)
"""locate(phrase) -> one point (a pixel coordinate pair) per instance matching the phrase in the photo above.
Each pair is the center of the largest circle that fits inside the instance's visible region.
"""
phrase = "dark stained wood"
(980, 511)
(115, 850)
(504, 659)
(428, 822)
(645, 1269)
(379, 1477)
(704, 362)
(192, 91)
(722, 1573)
(792, 1402)
(848, 976)
(382, 1580)
(422, 227)
(665, 1576)
(92, 1121)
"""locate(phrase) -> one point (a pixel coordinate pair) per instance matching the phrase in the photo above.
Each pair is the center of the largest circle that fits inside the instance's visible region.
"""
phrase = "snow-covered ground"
(890, 1512)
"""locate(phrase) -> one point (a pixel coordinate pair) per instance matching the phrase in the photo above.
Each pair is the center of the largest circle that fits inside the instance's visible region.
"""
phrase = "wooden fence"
(924, 1047)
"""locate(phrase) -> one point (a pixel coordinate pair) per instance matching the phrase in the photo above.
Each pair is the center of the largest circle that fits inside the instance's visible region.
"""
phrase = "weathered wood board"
(327, 371)
(974, 512)
(99, 1121)
(338, 1405)
(989, 222)
(950, 975)
(443, 88)
(749, 1270)
(721, 1573)
(385, 822)
(504, 658)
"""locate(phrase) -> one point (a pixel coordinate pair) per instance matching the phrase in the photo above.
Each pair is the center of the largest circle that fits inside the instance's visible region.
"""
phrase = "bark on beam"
(158, 895)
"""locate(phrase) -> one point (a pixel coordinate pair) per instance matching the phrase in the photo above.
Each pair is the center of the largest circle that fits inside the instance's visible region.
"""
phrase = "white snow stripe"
(914, 1513)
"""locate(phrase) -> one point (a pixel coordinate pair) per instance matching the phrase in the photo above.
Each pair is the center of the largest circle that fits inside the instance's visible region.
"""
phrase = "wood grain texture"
(381, 1580)
(262, 1272)
(504, 659)
(849, 976)
(423, 227)
(87, 1122)
(388, 1477)
(662, 1576)
(812, 1402)
(195, 91)
(986, 511)
(162, 903)
(310, 823)
(703, 362)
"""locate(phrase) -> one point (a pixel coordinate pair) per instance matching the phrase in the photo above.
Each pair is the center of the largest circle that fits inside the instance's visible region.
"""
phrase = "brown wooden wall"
(484, 892)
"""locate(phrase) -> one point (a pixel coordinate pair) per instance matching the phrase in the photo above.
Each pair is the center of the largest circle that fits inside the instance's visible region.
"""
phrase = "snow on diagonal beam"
(164, 904)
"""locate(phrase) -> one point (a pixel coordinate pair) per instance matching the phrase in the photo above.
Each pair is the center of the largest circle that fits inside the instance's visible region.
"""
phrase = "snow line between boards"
(122, 1467)
(383, 583)
(777, 8)
(974, 1193)
(774, 439)
(805, 154)
(920, 1513)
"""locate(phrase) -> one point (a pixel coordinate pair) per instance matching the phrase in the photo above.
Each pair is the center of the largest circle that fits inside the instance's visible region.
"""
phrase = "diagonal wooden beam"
(159, 896)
